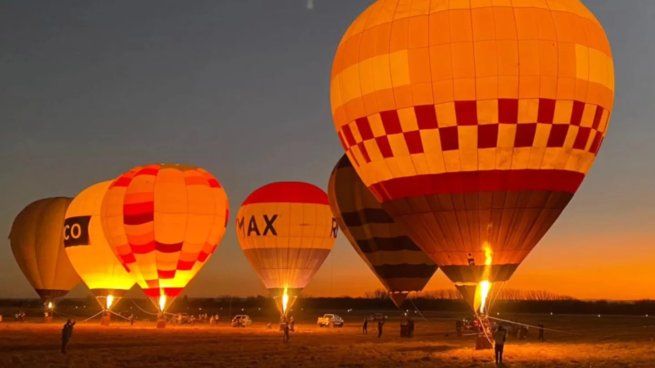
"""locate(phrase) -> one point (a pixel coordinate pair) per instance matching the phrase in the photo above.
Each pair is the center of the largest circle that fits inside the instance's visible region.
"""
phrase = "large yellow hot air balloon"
(394, 258)
(37, 242)
(88, 250)
(286, 231)
(163, 222)
(473, 122)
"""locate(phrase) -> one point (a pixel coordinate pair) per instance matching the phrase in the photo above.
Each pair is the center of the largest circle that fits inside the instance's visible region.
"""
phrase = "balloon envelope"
(163, 222)
(37, 243)
(286, 230)
(473, 125)
(88, 250)
(394, 258)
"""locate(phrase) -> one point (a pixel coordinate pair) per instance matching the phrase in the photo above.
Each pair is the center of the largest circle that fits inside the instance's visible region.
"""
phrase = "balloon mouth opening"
(50, 306)
(482, 296)
(284, 299)
(107, 301)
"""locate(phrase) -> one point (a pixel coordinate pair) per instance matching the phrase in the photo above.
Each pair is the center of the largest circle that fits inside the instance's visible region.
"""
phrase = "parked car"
(241, 320)
(330, 320)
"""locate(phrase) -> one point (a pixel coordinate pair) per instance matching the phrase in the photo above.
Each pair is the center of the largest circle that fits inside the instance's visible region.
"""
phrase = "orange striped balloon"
(163, 221)
(474, 122)
(286, 230)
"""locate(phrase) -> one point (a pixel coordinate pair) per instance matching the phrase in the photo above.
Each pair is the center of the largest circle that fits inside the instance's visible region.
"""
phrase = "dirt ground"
(581, 341)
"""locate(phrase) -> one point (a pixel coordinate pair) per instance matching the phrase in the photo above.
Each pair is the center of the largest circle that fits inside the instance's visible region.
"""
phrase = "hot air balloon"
(163, 221)
(88, 250)
(394, 258)
(37, 243)
(473, 122)
(286, 231)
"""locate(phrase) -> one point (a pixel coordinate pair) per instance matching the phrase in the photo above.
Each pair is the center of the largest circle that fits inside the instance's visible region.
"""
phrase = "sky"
(89, 89)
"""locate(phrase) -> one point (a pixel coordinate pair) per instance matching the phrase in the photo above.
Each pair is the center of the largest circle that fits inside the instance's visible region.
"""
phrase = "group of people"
(380, 324)
(20, 316)
(407, 327)
(287, 325)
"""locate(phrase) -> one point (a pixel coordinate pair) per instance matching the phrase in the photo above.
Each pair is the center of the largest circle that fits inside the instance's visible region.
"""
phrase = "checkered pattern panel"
(553, 124)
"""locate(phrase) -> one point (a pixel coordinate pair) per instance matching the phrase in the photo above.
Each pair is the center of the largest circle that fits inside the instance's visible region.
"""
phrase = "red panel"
(166, 274)
(138, 208)
(508, 111)
(288, 191)
(148, 170)
(349, 135)
(138, 219)
(426, 117)
(595, 145)
(479, 181)
(449, 138)
(172, 292)
(582, 138)
(213, 183)
(202, 256)
(525, 135)
(169, 248)
(557, 135)
(467, 112)
(597, 117)
(185, 265)
(143, 248)
(383, 145)
(151, 292)
(364, 128)
(391, 122)
(487, 136)
(123, 181)
(413, 140)
(364, 152)
(576, 113)
(546, 111)
(128, 258)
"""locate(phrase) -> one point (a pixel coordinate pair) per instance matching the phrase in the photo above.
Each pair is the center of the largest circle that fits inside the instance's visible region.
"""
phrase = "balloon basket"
(105, 320)
(161, 323)
(483, 340)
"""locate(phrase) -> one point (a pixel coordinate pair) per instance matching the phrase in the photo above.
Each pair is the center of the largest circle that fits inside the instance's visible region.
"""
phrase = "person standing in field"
(500, 335)
(380, 325)
(285, 330)
(365, 326)
(66, 334)
(541, 332)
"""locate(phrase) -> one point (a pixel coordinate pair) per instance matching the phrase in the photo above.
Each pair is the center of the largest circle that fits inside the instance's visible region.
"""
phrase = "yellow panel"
(399, 63)
(487, 112)
(446, 115)
(528, 110)
(408, 121)
(521, 158)
(398, 145)
(452, 161)
(541, 135)
(486, 159)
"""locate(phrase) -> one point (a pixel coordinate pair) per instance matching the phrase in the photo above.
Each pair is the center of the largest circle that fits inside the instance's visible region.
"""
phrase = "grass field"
(584, 341)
